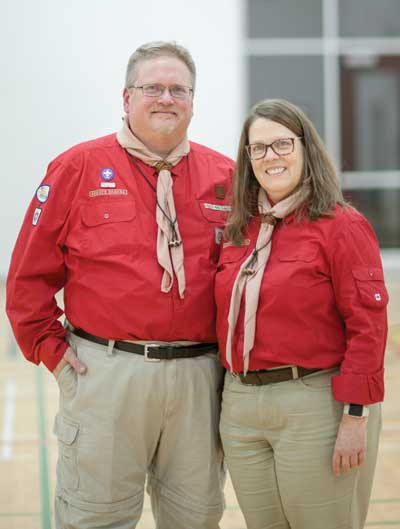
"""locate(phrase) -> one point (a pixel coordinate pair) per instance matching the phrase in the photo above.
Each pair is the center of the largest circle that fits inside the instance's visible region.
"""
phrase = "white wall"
(63, 65)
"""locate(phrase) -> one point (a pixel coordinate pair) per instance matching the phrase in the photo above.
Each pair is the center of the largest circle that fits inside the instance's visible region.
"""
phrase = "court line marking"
(389, 522)
(388, 500)
(43, 453)
(18, 514)
(10, 393)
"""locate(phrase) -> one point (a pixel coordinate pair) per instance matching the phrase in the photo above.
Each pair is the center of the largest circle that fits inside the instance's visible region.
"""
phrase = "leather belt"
(151, 351)
(271, 376)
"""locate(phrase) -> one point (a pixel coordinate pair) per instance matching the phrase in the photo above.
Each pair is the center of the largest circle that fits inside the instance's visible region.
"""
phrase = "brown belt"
(271, 376)
(152, 351)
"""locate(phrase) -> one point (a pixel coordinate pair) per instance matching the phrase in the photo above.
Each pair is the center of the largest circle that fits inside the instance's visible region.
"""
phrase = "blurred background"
(63, 66)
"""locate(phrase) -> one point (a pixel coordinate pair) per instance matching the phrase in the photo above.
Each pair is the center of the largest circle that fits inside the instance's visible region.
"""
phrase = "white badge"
(36, 215)
(217, 207)
(219, 234)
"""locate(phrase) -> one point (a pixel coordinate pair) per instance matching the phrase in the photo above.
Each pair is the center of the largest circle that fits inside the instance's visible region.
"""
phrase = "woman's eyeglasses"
(281, 147)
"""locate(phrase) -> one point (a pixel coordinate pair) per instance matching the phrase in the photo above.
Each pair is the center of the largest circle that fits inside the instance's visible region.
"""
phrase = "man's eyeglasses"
(281, 147)
(176, 91)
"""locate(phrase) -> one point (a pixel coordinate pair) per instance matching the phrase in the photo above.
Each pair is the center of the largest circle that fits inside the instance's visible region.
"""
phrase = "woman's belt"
(270, 376)
(153, 351)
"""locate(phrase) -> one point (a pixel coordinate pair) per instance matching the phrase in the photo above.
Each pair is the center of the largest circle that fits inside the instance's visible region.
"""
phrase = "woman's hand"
(351, 444)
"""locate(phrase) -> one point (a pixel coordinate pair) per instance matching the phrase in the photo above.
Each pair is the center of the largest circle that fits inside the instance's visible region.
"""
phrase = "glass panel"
(284, 18)
(369, 18)
(382, 208)
(298, 79)
(377, 134)
(371, 114)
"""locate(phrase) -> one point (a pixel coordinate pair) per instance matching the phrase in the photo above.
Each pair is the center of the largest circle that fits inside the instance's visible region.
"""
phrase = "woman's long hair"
(319, 184)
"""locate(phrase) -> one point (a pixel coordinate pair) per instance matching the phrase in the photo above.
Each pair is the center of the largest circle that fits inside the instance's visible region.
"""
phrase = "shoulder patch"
(42, 193)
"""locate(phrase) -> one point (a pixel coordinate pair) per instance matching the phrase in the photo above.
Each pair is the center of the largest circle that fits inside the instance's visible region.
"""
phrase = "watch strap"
(355, 410)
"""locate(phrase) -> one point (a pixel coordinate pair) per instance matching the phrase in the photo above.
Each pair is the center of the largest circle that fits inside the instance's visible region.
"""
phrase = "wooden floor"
(28, 402)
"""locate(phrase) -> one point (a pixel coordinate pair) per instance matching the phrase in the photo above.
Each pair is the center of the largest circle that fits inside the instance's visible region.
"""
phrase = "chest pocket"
(207, 221)
(295, 266)
(370, 286)
(109, 227)
(214, 213)
(233, 256)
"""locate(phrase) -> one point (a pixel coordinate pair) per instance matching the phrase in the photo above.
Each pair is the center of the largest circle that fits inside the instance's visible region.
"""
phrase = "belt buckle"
(295, 372)
(146, 352)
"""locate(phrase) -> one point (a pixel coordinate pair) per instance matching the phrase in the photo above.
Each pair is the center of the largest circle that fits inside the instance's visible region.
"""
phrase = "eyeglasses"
(281, 147)
(176, 91)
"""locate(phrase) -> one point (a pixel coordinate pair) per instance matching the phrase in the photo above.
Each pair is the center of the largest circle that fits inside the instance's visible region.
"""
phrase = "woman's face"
(277, 174)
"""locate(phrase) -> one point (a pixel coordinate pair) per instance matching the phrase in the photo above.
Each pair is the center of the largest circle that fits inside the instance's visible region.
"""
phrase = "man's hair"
(319, 185)
(152, 50)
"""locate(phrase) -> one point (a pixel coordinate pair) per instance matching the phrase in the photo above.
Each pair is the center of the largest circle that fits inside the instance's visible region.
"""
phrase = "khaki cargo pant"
(126, 419)
(278, 441)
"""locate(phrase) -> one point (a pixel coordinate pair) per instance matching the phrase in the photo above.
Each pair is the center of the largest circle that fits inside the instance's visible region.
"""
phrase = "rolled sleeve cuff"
(51, 352)
(360, 389)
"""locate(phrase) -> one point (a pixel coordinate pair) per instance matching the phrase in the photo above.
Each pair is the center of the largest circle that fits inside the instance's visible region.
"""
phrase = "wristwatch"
(355, 410)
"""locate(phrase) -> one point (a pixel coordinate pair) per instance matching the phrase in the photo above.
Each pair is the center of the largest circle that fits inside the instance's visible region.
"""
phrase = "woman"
(302, 329)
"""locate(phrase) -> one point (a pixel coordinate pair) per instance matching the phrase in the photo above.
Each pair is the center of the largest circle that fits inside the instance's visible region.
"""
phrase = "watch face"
(356, 409)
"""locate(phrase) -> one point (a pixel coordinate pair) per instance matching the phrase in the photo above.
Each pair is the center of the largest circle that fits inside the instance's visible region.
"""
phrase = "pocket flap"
(232, 254)
(305, 254)
(363, 273)
(104, 213)
(65, 430)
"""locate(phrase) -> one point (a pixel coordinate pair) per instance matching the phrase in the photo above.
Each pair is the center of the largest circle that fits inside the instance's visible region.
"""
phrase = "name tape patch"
(101, 192)
(217, 207)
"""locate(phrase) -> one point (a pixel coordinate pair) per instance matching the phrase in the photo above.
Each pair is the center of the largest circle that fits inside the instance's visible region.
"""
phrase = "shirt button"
(106, 215)
(371, 273)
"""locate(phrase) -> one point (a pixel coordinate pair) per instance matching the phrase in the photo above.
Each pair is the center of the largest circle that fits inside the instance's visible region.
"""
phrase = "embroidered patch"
(36, 215)
(42, 193)
(220, 191)
(107, 173)
(219, 234)
(101, 192)
(226, 244)
(107, 184)
(217, 207)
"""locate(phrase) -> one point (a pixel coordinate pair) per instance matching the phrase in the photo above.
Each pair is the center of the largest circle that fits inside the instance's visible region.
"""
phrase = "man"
(130, 226)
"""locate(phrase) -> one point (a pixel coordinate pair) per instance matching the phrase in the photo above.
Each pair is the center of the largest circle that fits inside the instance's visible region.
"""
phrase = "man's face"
(159, 122)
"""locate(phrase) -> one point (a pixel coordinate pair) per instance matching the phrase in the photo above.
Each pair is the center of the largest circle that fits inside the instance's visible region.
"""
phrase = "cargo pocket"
(67, 434)
(371, 287)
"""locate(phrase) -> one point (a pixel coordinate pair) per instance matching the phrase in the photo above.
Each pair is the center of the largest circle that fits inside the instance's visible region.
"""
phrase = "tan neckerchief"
(251, 272)
(169, 243)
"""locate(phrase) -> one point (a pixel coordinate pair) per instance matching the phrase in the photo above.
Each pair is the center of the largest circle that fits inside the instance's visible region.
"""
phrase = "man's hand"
(70, 358)
(351, 444)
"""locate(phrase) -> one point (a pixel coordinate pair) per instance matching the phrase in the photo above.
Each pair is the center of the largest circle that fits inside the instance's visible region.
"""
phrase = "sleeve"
(37, 270)
(361, 299)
